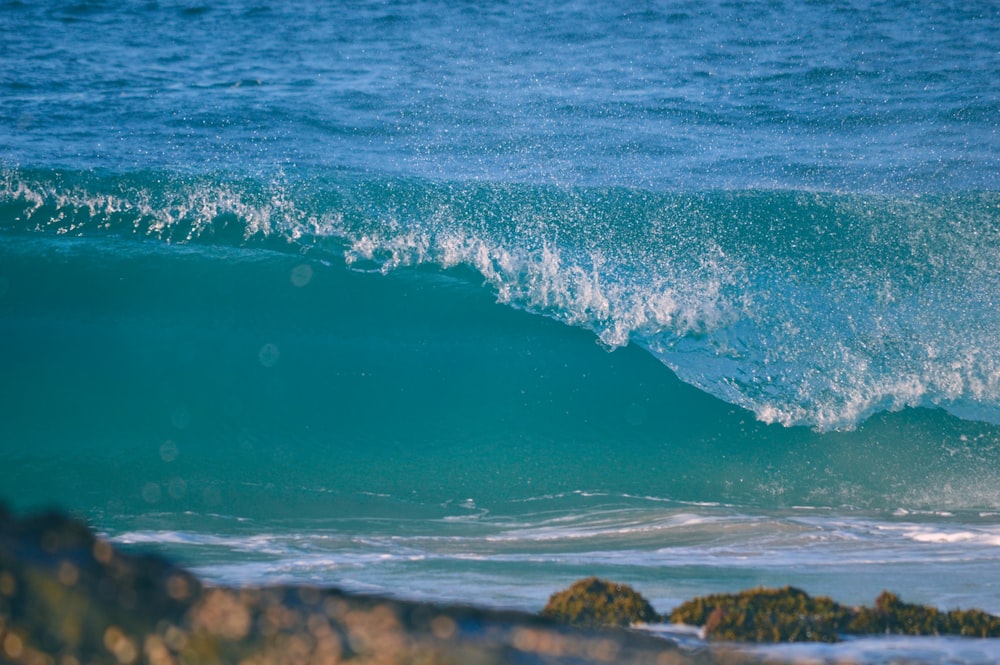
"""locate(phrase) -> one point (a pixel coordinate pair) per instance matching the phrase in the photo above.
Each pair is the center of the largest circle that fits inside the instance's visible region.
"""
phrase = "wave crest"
(805, 308)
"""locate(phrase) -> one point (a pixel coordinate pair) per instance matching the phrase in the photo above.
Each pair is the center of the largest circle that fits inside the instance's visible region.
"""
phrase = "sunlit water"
(463, 303)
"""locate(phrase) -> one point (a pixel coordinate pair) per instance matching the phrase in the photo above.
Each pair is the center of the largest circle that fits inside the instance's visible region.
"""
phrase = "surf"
(807, 308)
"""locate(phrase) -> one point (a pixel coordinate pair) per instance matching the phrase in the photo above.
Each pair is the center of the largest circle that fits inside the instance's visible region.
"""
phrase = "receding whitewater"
(465, 303)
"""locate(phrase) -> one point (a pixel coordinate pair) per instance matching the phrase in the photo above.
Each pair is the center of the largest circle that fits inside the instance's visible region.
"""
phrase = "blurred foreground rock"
(68, 598)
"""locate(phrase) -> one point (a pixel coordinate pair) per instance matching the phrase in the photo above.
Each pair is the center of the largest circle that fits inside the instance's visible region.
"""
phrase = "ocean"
(465, 301)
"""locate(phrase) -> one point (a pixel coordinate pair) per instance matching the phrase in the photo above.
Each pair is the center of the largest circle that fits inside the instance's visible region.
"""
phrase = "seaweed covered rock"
(890, 615)
(597, 602)
(972, 623)
(766, 615)
(792, 615)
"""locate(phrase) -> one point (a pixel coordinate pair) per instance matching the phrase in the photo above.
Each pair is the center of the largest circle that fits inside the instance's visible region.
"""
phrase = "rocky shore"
(767, 615)
(69, 598)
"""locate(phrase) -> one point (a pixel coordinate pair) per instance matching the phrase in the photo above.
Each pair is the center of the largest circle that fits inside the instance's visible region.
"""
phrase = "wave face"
(455, 325)
(805, 308)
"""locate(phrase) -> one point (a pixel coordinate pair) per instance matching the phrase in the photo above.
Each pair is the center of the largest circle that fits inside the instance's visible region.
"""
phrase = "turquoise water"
(461, 302)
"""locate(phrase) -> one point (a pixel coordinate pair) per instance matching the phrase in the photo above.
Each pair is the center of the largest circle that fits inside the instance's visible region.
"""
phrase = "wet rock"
(792, 615)
(892, 616)
(765, 615)
(597, 602)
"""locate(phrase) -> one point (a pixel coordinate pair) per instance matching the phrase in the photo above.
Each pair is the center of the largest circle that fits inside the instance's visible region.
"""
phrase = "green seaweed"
(792, 615)
(890, 615)
(596, 602)
(765, 615)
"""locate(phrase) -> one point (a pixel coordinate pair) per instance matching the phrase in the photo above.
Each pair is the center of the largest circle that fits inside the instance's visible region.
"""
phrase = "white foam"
(193, 206)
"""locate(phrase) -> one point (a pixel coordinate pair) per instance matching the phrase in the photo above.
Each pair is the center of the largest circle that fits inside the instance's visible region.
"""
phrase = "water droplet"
(302, 274)
(168, 451)
(151, 492)
(177, 488)
(269, 355)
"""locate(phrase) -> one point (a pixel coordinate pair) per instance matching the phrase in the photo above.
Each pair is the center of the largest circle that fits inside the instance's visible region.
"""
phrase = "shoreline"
(68, 598)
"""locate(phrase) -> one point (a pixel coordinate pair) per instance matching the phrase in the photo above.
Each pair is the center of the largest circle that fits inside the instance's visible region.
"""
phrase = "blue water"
(453, 301)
